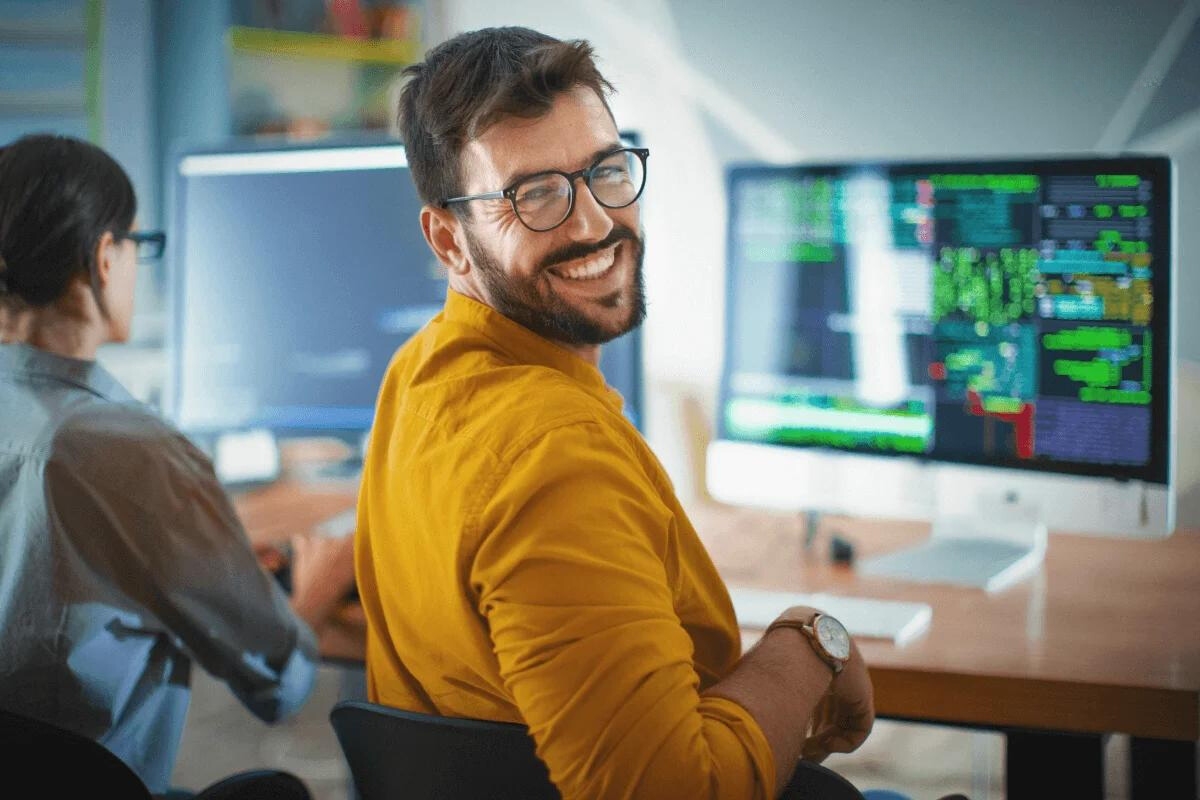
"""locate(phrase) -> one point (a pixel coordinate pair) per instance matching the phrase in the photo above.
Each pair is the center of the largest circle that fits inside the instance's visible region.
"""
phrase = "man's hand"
(790, 691)
(845, 716)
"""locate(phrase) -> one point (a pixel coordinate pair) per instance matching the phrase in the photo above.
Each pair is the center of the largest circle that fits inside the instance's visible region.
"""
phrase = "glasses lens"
(617, 179)
(543, 200)
(150, 249)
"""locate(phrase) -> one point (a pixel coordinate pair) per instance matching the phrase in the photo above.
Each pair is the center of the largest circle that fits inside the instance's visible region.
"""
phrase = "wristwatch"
(828, 637)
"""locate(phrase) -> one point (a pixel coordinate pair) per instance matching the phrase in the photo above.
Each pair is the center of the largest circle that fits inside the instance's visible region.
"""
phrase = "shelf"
(49, 102)
(57, 29)
(265, 41)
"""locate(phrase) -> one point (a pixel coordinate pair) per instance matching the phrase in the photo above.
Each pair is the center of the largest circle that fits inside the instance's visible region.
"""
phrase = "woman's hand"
(322, 574)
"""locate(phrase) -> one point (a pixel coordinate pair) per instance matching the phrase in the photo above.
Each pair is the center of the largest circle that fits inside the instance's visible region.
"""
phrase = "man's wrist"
(825, 636)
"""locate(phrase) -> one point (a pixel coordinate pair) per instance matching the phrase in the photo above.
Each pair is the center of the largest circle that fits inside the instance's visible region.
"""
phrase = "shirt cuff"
(294, 684)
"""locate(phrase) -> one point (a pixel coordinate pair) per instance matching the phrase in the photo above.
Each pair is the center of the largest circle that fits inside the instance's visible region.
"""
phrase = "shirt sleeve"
(143, 508)
(574, 573)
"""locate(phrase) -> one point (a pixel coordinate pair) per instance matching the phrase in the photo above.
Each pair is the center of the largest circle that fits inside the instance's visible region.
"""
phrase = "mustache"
(579, 250)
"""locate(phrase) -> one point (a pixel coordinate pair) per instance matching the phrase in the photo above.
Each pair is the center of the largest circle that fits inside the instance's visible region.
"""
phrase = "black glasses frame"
(510, 192)
(153, 243)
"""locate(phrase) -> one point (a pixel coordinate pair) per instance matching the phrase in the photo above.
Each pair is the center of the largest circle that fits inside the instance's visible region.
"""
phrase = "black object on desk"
(841, 550)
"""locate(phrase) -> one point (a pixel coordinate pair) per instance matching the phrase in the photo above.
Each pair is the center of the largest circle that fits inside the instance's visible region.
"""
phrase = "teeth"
(594, 267)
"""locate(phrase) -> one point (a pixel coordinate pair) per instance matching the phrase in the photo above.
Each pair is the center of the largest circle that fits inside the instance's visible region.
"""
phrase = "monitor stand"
(992, 548)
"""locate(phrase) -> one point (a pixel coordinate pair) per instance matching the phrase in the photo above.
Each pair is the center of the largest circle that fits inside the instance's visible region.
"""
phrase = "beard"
(547, 314)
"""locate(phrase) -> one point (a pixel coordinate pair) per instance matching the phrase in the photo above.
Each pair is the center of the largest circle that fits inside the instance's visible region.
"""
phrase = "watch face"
(833, 637)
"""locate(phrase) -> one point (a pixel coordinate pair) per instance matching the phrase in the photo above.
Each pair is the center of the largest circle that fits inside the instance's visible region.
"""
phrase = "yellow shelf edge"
(321, 45)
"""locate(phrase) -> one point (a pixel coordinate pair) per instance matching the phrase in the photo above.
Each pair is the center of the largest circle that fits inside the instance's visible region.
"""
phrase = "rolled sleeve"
(574, 574)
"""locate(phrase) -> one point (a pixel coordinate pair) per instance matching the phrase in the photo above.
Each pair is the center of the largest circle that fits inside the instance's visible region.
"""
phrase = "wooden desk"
(1105, 638)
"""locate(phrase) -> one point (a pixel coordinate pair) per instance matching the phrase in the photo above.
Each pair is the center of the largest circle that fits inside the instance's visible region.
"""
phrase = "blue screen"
(621, 363)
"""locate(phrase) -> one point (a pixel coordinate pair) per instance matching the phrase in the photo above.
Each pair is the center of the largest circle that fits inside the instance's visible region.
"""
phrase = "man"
(521, 555)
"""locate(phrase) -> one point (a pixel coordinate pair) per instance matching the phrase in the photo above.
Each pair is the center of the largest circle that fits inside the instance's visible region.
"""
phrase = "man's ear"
(443, 231)
(104, 255)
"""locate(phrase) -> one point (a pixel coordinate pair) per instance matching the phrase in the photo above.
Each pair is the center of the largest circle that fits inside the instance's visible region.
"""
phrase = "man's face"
(579, 283)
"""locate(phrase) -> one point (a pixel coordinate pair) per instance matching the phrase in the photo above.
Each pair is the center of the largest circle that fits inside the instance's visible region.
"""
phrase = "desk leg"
(1162, 770)
(1040, 764)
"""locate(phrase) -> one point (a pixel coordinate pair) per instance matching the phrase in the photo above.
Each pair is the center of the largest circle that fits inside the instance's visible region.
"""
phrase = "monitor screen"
(999, 313)
(621, 363)
(297, 273)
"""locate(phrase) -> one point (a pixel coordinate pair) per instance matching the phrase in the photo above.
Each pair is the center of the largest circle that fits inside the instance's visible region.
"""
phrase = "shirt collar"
(21, 359)
(525, 346)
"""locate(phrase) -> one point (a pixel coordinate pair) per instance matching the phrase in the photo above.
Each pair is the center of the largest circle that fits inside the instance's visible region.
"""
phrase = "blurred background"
(704, 84)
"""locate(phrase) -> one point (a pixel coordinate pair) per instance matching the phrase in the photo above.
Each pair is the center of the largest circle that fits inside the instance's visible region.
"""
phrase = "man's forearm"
(779, 681)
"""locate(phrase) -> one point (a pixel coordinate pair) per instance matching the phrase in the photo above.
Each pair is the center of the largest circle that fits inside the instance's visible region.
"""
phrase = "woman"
(121, 559)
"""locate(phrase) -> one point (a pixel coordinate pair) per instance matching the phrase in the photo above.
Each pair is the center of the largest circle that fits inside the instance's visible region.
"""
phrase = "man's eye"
(533, 195)
(610, 173)
(538, 193)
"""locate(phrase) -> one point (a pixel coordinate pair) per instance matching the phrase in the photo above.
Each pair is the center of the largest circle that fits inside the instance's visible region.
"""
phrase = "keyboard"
(864, 617)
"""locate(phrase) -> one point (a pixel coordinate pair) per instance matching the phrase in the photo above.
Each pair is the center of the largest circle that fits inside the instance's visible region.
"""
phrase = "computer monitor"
(297, 272)
(922, 340)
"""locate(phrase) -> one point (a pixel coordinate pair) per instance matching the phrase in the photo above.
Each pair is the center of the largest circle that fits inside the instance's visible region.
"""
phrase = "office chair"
(396, 754)
(63, 764)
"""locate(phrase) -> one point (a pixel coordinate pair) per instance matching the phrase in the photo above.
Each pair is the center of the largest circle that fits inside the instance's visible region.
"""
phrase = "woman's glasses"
(149, 244)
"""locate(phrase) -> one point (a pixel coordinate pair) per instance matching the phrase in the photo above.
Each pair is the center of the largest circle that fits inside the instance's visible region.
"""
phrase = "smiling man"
(521, 555)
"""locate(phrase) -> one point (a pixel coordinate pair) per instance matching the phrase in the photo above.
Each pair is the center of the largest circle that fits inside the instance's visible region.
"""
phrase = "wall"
(709, 83)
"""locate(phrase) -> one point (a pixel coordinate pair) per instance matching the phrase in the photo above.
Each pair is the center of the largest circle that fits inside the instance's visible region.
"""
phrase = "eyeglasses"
(150, 244)
(544, 201)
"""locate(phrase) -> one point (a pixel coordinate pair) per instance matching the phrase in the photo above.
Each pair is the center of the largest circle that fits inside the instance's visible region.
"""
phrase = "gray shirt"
(121, 561)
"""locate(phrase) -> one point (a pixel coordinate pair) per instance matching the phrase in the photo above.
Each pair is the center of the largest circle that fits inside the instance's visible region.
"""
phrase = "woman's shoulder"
(125, 442)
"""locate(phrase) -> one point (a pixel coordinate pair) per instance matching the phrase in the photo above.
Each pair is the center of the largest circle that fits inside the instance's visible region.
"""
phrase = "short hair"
(474, 80)
(58, 196)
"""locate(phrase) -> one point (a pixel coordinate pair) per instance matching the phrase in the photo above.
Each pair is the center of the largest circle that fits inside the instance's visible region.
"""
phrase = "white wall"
(708, 82)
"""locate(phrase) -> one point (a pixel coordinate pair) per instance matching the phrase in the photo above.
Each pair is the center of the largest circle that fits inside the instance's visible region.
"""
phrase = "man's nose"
(589, 220)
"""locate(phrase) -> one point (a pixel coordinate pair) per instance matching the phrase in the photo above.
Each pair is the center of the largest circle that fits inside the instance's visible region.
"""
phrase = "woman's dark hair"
(469, 83)
(58, 196)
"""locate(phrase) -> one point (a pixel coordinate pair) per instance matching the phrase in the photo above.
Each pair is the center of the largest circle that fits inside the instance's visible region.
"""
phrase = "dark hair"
(470, 82)
(58, 196)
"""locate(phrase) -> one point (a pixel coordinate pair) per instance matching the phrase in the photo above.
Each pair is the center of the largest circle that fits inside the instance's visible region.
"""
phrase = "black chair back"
(811, 780)
(55, 762)
(395, 754)
(58, 763)
(403, 755)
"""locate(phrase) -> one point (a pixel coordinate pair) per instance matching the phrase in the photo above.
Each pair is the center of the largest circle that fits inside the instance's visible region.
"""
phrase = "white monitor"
(984, 342)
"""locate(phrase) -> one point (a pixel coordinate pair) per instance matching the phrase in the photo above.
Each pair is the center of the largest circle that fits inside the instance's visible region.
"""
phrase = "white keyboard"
(864, 617)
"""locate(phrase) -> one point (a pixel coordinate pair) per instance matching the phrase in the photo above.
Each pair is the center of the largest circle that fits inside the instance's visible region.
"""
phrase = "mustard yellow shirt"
(522, 557)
